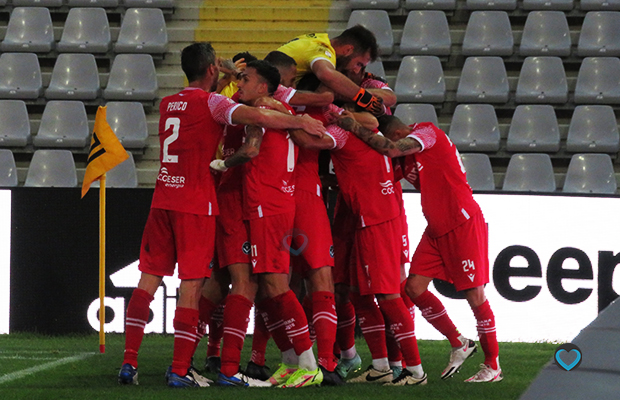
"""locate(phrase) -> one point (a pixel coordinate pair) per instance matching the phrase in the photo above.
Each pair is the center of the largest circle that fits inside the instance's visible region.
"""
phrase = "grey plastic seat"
(598, 81)
(37, 3)
(600, 34)
(128, 121)
(542, 80)
(420, 79)
(8, 169)
(414, 113)
(20, 76)
(507, 5)
(488, 33)
(124, 175)
(563, 5)
(534, 128)
(599, 5)
(164, 4)
(590, 173)
(132, 77)
(483, 80)
(479, 171)
(430, 4)
(30, 30)
(86, 30)
(474, 127)
(376, 68)
(406, 185)
(545, 33)
(14, 123)
(75, 76)
(374, 4)
(51, 168)
(63, 124)
(93, 3)
(529, 172)
(593, 129)
(378, 22)
(426, 32)
(143, 30)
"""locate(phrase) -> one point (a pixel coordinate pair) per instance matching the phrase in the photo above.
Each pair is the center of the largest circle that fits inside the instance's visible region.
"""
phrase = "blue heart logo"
(561, 362)
(294, 236)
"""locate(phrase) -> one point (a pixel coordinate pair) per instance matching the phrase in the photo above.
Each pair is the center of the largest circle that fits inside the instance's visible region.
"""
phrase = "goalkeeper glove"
(371, 103)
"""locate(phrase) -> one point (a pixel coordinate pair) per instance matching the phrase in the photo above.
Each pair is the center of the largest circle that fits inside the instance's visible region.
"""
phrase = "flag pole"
(102, 263)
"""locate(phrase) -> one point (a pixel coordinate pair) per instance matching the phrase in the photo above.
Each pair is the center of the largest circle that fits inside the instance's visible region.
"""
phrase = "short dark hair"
(268, 72)
(280, 59)
(362, 40)
(195, 59)
(309, 82)
(247, 57)
(387, 123)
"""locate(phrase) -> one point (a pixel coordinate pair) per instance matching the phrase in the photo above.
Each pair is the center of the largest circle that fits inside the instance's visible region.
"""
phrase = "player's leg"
(350, 361)
(256, 367)
(212, 298)
(213, 362)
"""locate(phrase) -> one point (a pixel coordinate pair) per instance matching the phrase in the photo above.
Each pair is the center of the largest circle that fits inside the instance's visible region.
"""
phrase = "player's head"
(198, 63)
(355, 48)
(286, 65)
(309, 82)
(259, 79)
(247, 57)
(392, 127)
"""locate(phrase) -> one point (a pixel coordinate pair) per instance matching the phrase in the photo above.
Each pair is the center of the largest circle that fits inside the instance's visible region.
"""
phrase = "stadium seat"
(420, 79)
(143, 30)
(529, 172)
(8, 169)
(506, 5)
(598, 81)
(590, 173)
(86, 30)
(52, 168)
(378, 22)
(483, 80)
(426, 32)
(407, 185)
(374, 4)
(599, 5)
(75, 77)
(488, 33)
(132, 77)
(30, 30)
(14, 123)
(128, 121)
(474, 127)
(124, 175)
(545, 33)
(63, 124)
(430, 4)
(148, 3)
(563, 5)
(376, 68)
(542, 80)
(534, 128)
(414, 113)
(20, 76)
(37, 3)
(599, 34)
(479, 171)
(93, 3)
(593, 129)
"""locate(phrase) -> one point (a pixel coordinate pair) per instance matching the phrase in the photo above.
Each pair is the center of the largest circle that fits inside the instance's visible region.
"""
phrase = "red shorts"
(312, 245)
(377, 252)
(270, 239)
(405, 257)
(461, 256)
(343, 233)
(172, 237)
(232, 238)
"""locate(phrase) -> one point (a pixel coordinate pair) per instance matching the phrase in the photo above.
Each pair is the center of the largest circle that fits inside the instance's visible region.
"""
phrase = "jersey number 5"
(175, 123)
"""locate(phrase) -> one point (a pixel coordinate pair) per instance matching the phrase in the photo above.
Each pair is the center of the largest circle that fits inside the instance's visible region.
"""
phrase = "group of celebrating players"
(248, 227)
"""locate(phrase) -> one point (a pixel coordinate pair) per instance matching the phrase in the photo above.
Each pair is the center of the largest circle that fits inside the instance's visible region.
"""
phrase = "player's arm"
(380, 143)
(388, 96)
(249, 149)
(311, 99)
(302, 139)
(245, 115)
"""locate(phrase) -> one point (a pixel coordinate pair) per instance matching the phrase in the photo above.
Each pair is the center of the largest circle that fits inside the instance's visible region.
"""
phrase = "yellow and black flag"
(106, 152)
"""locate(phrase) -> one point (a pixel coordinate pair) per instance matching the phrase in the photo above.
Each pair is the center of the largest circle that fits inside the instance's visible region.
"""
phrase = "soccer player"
(352, 50)
(181, 224)
(454, 246)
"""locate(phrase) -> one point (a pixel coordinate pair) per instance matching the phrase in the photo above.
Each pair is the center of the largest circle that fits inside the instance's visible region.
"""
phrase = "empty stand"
(164, 4)
(534, 128)
(564, 5)
(545, 33)
(8, 169)
(483, 80)
(14, 123)
(426, 32)
(590, 173)
(542, 80)
(598, 81)
(86, 30)
(37, 3)
(599, 34)
(378, 22)
(488, 33)
(529, 172)
(128, 121)
(374, 4)
(143, 30)
(132, 77)
(420, 79)
(30, 30)
(474, 127)
(52, 168)
(75, 76)
(414, 113)
(593, 129)
(63, 124)
(20, 76)
(479, 171)
(430, 4)
(122, 176)
(507, 5)
(600, 5)
(93, 3)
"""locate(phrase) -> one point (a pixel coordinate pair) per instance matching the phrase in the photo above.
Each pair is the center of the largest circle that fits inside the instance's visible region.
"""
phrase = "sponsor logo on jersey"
(286, 188)
(387, 187)
(170, 181)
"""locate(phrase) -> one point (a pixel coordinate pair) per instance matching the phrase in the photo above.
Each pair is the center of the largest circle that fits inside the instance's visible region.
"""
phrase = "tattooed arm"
(249, 150)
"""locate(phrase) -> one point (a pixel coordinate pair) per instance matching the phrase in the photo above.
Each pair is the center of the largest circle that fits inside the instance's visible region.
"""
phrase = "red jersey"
(191, 125)
(370, 82)
(233, 139)
(268, 182)
(437, 171)
(365, 178)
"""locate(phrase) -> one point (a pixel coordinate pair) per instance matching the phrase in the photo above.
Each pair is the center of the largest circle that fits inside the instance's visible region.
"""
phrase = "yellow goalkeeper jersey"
(306, 49)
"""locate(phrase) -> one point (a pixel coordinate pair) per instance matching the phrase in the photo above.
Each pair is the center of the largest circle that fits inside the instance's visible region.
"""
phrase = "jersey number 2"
(175, 123)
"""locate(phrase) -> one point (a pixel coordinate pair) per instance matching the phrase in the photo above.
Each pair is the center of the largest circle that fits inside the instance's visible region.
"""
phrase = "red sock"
(296, 323)
(307, 306)
(216, 330)
(206, 308)
(185, 337)
(273, 321)
(372, 324)
(486, 331)
(401, 324)
(435, 313)
(236, 319)
(259, 339)
(393, 350)
(325, 322)
(135, 321)
(407, 300)
(345, 333)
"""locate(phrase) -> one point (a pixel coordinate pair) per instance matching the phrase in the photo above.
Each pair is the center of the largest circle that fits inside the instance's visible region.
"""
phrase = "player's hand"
(218, 165)
(271, 103)
(346, 121)
(369, 102)
(312, 126)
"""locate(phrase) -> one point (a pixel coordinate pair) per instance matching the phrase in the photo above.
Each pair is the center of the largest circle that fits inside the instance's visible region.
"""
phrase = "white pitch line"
(30, 371)
(26, 358)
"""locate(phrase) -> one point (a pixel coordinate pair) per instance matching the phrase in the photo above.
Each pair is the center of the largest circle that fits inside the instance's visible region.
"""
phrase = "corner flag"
(106, 152)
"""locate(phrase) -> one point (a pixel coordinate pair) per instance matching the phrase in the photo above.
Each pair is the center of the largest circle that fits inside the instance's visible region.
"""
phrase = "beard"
(342, 62)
